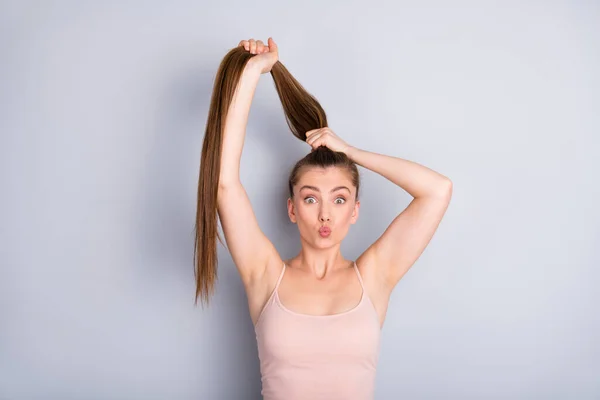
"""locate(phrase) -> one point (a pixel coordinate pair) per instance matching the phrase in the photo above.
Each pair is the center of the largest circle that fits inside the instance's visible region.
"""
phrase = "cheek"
(304, 213)
(347, 213)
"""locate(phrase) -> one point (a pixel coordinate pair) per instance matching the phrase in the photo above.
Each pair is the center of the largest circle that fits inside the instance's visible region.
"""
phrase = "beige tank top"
(314, 357)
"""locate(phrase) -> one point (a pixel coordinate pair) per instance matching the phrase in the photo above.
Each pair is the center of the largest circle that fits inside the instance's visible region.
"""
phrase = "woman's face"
(323, 197)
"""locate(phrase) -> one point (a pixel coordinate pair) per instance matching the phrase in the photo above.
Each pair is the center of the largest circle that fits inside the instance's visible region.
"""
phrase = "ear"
(355, 212)
(291, 211)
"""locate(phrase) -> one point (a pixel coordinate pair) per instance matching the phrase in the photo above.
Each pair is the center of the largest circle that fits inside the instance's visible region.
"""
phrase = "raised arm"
(250, 249)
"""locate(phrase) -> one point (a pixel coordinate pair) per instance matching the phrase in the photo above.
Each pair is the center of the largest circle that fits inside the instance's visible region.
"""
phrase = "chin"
(325, 242)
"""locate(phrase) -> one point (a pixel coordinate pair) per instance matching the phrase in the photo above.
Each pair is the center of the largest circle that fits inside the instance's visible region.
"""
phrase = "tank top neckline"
(284, 308)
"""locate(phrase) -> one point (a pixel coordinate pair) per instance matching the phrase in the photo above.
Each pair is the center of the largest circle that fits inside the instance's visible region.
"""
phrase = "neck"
(320, 262)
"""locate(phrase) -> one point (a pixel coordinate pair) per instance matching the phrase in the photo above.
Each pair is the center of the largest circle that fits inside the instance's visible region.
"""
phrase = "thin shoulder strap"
(271, 297)
(280, 277)
(359, 277)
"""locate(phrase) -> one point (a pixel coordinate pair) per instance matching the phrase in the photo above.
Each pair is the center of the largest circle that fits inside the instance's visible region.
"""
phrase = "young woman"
(317, 316)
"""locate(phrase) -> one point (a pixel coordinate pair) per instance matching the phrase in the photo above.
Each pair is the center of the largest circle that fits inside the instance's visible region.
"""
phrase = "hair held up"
(302, 112)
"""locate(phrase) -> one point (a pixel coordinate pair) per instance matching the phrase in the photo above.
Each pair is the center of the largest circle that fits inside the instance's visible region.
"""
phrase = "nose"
(324, 216)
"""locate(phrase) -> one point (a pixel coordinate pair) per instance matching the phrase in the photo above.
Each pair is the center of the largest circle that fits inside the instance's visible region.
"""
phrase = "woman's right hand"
(266, 55)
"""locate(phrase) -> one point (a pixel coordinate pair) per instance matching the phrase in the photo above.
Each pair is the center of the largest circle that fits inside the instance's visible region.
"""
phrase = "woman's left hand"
(326, 137)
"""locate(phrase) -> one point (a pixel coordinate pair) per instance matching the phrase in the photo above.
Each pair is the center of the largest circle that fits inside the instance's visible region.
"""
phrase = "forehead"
(324, 177)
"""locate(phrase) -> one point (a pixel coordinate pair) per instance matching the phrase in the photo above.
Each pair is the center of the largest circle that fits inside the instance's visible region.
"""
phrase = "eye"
(310, 197)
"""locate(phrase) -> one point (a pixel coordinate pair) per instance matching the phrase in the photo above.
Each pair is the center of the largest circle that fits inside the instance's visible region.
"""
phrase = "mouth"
(324, 231)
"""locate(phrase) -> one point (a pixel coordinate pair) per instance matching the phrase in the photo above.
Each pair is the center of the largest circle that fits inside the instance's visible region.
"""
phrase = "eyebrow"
(317, 189)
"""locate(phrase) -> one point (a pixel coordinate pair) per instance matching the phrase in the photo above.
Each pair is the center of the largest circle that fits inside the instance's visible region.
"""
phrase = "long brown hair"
(302, 112)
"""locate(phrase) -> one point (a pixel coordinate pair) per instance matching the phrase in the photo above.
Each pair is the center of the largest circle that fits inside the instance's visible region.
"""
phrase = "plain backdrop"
(103, 111)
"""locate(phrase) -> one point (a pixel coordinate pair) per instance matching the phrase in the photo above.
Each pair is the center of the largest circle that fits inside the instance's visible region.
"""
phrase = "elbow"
(445, 189)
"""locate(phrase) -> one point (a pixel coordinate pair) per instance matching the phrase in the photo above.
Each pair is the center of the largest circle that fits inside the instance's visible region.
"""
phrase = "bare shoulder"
(367, 266)
(260, 288)
(375, 285)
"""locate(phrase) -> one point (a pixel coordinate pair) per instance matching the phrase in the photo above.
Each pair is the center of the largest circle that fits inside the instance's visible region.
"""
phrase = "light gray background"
(103, 109)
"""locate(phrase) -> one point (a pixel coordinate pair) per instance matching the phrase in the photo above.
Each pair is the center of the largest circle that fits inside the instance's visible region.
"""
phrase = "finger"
(308, 133)
(259, 46)
(318, 134)
(272, 44)
(314, 138)
(252, 46)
